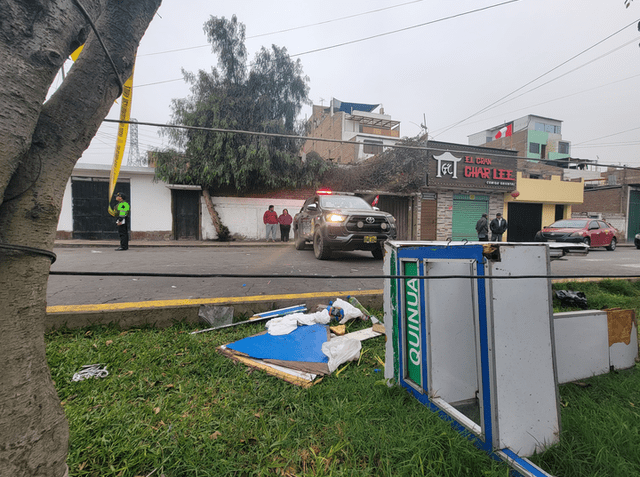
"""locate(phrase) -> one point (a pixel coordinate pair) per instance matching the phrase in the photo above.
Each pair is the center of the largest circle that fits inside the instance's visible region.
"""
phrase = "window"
(534, 148)
(372, 147)
(550, 128)
(563, 147)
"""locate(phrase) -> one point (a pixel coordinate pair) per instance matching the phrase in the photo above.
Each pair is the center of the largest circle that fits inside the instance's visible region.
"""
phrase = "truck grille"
(359, 224)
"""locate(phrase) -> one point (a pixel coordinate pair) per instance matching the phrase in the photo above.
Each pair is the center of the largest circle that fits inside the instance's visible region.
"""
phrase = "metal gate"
(399, 207)
(633, 224)
(91, 219)
(186, 214)
(467, 210)
(524, 221)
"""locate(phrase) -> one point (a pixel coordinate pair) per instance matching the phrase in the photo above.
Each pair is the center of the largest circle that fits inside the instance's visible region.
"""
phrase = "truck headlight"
(335, 218)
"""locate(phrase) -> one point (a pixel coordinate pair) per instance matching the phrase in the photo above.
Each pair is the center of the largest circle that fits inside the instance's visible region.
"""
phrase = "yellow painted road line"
(205, 301)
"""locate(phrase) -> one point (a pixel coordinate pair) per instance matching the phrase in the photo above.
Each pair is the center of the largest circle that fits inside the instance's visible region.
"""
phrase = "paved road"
(255, 259)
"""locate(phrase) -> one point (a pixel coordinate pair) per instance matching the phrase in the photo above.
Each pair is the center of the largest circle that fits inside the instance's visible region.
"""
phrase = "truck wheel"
(298, 240)
(377, 253)
(320, 249)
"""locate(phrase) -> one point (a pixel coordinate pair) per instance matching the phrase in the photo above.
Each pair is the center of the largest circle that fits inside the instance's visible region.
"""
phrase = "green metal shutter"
(633, 224)
(467, 210)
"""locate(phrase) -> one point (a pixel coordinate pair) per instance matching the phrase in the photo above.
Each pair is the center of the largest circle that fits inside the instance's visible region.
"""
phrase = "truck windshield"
(336, 202)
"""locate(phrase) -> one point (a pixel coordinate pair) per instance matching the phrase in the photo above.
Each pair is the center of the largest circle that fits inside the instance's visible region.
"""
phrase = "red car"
(595, 233)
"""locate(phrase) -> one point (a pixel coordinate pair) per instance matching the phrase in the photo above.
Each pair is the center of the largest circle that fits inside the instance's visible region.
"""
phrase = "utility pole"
(134, 158)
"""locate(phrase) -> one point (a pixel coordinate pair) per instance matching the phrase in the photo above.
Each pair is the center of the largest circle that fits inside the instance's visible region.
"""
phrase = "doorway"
(90, 204)
(185, 205)
(524, 221)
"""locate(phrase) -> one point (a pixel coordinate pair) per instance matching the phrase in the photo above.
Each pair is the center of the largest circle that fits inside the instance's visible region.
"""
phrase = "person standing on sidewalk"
(482, 228)
(285, 225)
(498, 227)
(270, 219)
(122, 221)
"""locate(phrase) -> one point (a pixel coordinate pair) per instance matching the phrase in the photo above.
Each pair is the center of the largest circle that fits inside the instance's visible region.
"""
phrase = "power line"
(571, 71)
(335, 20)
(325, 277)
(406, 28)
(537, 78)
(609, 135)
(340, 141)
(291, 29)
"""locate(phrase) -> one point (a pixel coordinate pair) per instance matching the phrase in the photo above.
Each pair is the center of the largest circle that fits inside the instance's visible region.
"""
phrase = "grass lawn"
(172, 405)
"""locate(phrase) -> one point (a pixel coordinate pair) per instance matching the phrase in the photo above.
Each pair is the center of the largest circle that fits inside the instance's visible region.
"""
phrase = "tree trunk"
(40, 145)
(215, 218)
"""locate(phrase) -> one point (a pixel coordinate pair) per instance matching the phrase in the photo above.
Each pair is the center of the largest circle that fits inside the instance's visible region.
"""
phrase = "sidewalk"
(167, 243)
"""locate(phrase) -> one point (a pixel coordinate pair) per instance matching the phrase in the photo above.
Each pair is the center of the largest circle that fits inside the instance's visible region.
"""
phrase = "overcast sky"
(465, 66)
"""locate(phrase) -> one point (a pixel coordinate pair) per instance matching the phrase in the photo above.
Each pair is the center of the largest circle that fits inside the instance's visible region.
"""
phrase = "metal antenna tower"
(134, 158)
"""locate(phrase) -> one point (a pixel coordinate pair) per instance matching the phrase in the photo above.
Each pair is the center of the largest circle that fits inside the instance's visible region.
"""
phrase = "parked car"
(636, 241)
(595, 233)
(341, 221)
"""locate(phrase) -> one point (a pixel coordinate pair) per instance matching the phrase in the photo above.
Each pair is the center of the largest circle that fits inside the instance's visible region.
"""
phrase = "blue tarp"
(302, 344)
(350, 107)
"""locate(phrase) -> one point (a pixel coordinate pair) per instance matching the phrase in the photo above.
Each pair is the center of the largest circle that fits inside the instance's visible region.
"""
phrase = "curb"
(166, 313)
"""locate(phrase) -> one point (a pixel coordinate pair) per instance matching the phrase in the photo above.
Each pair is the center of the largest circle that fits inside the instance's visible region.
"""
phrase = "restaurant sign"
(471, 171)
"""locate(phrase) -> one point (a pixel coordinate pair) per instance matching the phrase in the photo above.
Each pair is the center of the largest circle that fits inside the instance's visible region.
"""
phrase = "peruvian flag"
(506, 131)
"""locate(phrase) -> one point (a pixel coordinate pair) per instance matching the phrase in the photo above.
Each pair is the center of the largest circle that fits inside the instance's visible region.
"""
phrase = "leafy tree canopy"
(265, 96)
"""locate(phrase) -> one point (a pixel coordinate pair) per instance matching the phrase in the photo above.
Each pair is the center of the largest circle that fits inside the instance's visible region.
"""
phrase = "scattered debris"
(366, 316)
(280, 312)
(288, 323)
(572, 298)
(347, 311)
(258, 317)
(91, 371)
(340, 350)
(298, 347)
(215, 316)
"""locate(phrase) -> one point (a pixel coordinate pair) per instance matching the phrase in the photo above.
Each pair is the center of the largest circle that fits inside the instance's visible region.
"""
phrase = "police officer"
(122, 219)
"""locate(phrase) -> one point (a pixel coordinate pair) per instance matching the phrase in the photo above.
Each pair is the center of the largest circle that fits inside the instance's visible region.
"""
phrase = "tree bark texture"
(215, 218)
(39, 146)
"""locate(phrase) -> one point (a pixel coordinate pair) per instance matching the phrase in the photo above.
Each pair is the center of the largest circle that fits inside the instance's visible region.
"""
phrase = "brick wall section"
(445, 209)
(496, 204)
(601, 200)
(517, 142)
(322, 124)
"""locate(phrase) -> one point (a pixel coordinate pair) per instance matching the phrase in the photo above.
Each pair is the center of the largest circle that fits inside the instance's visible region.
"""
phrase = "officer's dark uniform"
(122, 214)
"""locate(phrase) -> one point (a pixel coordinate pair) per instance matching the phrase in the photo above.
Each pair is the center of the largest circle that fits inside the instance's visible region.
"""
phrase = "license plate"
(370, 239)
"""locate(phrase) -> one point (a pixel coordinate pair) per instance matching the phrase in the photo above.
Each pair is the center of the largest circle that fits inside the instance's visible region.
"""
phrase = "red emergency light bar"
(324, 192)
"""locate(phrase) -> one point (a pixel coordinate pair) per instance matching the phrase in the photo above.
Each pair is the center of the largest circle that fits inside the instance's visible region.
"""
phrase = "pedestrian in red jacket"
(270, 219)
(285, 225)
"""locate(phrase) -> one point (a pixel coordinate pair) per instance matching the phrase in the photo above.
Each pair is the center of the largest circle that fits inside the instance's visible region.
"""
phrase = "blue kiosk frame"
(450, 322)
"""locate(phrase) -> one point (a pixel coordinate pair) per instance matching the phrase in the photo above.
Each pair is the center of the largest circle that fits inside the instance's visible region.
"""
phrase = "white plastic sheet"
(340, 350)
(288, 323)
(282, 326)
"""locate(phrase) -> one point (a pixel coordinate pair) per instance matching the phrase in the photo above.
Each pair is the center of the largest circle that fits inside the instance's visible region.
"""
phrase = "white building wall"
(150, 205)
(243, 216)
(150, 201)
(65, 221)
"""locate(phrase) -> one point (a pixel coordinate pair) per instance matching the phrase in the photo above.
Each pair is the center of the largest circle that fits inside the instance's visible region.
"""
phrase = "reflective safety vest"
(123, 209)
